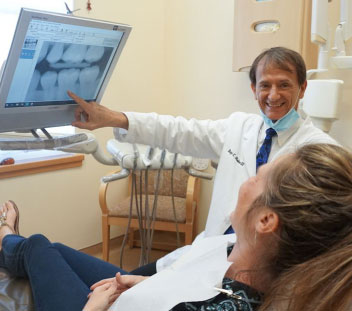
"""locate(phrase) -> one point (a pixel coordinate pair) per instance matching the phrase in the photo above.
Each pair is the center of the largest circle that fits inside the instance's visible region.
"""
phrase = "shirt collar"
(283, 136)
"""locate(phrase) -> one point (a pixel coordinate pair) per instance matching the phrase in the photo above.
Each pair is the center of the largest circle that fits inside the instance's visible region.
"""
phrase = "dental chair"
(15, 293)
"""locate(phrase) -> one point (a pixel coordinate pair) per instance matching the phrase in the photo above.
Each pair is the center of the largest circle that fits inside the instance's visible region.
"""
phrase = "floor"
(131, 256)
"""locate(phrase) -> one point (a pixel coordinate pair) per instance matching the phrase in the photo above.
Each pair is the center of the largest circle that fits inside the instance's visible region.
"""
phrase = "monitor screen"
(50, 54)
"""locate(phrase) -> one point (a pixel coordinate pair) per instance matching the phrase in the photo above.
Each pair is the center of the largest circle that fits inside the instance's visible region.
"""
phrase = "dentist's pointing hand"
(91, 116)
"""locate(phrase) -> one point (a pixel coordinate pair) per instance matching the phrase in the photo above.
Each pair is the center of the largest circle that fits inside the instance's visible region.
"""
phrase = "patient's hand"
(123, 282)
(102, 282)
(102, 297)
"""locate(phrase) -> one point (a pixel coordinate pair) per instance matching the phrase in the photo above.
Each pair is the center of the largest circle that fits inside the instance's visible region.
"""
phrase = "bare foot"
(7, 221)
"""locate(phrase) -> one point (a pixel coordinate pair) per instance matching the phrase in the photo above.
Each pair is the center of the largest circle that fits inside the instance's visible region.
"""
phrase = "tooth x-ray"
(50, 54)
(60, 66)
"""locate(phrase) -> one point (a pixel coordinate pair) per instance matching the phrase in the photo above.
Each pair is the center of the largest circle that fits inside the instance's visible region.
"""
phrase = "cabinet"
(262, 24)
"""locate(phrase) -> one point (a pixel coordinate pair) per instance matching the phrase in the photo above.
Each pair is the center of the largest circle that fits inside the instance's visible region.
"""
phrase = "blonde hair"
(311, 192)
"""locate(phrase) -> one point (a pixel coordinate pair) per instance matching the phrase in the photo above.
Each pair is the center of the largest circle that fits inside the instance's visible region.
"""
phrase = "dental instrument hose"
(134, 189)
(128, 226)
(155, 203)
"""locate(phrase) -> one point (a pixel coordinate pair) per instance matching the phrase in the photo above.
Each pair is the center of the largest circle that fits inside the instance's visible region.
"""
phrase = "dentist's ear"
(254, 90)
(302, 89)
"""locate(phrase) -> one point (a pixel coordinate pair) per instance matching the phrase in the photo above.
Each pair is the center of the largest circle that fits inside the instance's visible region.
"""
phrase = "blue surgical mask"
(284, 123)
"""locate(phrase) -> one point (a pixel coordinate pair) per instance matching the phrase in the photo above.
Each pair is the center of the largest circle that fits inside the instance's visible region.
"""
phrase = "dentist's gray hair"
(281, 58)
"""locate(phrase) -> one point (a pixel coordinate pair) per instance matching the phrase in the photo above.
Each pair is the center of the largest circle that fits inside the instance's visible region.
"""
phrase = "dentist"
(240, 143)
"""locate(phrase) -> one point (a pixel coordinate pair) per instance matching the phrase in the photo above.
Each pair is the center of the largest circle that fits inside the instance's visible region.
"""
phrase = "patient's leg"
(55, 286)
(89, 269)
(60, 276)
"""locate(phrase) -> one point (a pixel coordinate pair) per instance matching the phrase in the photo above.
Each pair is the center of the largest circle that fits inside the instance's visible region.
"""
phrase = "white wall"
(200, 81)
(199, 59)
(178, 60)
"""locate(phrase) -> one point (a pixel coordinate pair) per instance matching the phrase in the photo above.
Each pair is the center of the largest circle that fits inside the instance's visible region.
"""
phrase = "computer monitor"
(50, 54)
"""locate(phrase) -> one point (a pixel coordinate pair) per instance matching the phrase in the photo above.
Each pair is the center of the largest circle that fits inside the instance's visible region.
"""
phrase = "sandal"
(17, 221)
(3, 218)
(3, 222)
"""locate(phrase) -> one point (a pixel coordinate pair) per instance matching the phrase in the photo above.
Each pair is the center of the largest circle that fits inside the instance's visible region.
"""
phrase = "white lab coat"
(233, 142)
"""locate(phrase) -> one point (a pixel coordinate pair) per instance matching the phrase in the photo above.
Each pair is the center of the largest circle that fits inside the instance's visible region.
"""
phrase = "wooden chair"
(186, 195)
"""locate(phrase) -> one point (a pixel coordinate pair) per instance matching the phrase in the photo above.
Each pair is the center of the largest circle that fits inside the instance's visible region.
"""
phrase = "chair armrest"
(192, 197)
(103, 188)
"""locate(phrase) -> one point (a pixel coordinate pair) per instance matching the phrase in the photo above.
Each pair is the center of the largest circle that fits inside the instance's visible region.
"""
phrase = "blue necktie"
(264, 151)
(262, 157)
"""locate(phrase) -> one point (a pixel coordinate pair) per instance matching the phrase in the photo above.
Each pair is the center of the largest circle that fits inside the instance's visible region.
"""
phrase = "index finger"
(80, 101)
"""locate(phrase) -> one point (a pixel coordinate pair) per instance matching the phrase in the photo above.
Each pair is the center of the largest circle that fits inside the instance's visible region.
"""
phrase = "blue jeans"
(60, 276)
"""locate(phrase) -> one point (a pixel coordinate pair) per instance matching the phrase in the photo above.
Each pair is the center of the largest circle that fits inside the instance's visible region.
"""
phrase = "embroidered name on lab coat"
(234, 155)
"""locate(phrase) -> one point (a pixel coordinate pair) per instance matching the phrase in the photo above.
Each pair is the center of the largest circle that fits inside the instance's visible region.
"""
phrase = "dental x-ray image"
(61, 67)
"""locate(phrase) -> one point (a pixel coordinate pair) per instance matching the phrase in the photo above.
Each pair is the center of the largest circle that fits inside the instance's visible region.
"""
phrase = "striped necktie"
(264, 151)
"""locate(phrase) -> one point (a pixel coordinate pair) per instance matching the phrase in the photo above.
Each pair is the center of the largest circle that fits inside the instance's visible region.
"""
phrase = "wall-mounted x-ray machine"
(302, 25)
(324, 95)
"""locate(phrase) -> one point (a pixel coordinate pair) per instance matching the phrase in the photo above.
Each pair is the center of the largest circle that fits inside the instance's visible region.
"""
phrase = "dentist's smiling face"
(277, 90)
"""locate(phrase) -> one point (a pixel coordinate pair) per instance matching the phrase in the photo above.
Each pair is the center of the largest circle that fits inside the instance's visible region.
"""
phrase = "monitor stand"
(78, 143)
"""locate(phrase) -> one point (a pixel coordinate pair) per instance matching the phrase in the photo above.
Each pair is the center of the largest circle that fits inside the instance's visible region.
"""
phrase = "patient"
(293, 250)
